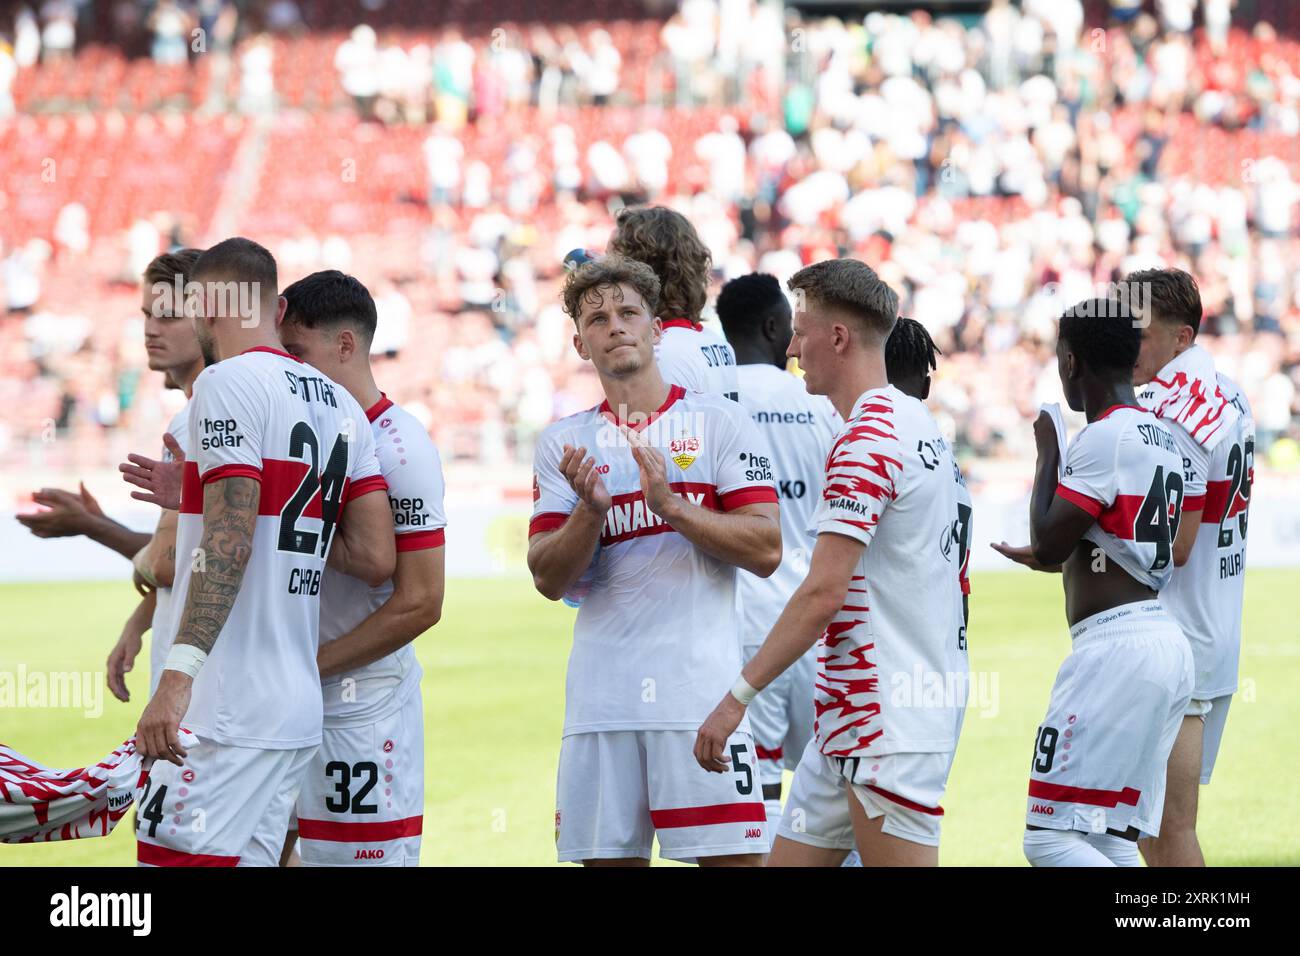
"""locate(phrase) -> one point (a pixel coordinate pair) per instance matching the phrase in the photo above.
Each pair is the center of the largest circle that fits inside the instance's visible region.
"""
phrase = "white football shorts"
(905, 788)
(225, 806)
(617, 790)
(1119, 698)
(362, 801)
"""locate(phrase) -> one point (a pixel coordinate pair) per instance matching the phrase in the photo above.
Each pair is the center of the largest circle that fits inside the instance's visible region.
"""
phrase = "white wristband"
(185, 658)
(742, 691)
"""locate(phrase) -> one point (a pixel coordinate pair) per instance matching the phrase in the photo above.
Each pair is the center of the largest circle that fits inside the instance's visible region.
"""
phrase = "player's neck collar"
(381, 406)
(674, 393)
(1136, 408)
(267, 348)
(679, 322)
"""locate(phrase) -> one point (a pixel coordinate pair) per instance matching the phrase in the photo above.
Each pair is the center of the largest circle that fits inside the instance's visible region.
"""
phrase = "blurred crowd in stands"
(994, 168)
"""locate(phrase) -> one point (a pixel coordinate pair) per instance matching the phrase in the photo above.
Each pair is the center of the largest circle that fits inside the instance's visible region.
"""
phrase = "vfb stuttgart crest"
(684, 451)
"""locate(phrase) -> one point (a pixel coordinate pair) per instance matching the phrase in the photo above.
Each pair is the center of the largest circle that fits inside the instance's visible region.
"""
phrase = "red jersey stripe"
(776, 753)
(547, 521)
(365, 486)
(155, 855)
(420, 540)
(1216, 502)
(758, 494)
(904, 802)
(1119, 518)
(333, 831)
(231, 471)
(1095, 798)
(708, 816)
(280, 481)
(1090, 505)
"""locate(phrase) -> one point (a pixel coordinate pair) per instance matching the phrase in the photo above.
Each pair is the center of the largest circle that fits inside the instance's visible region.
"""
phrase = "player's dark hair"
(910, 352)
(240, 260)
(1104, 335)
(584, 283)
(1171, 295)
(852, 286)
(746, 302)
(329, 299)
(666, 241)
(166, 267)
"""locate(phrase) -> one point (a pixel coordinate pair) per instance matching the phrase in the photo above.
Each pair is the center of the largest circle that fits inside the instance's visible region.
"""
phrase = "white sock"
(1118, 850)
(1062, 848)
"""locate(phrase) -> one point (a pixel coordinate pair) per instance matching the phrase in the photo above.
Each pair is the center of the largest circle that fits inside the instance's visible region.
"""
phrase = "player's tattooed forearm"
(229, 517)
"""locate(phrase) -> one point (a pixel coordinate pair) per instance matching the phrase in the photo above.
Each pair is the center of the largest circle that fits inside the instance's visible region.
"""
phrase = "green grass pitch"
(494, 694)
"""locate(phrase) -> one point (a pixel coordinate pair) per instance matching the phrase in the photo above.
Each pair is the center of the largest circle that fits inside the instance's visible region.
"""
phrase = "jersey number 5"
(302, 440)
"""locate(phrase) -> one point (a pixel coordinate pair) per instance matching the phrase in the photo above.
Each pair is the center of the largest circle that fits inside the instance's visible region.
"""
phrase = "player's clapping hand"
(654, 473)
(581, 474)
(711, 740)
(64, 514)
(161, 480)
(158, 733)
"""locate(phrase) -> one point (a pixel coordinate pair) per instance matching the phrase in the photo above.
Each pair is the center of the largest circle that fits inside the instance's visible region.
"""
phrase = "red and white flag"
(38, 804)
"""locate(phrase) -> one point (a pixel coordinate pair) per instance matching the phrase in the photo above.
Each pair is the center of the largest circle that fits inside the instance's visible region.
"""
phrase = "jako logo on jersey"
(537, 488)
(221, 433)
(753, 833)
(791, 489)
(1039, 808)
(557, 826)
(759, 467)
(385, 422)
(369, 855)
(388, 746)
(684, 451)
(188, 776)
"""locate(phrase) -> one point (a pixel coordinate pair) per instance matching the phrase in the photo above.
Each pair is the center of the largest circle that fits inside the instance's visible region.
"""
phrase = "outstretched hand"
(160, 480)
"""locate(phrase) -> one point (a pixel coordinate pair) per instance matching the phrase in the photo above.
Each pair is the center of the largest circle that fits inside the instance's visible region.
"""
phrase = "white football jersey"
(657, 639)
(410, 465)
(799, 429)
(1124, 469)
(697, 359)
(265, 415)
(160, 641)
(893, 673)
(1205, 595)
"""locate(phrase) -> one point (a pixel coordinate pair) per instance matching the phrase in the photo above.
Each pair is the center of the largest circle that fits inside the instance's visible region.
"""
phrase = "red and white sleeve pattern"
(553, 497)
(863, 473)
(1089, 481)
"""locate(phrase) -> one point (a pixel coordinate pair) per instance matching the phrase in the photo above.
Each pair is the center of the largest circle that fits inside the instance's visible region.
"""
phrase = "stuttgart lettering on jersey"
(311, 389)
(1155, 435)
